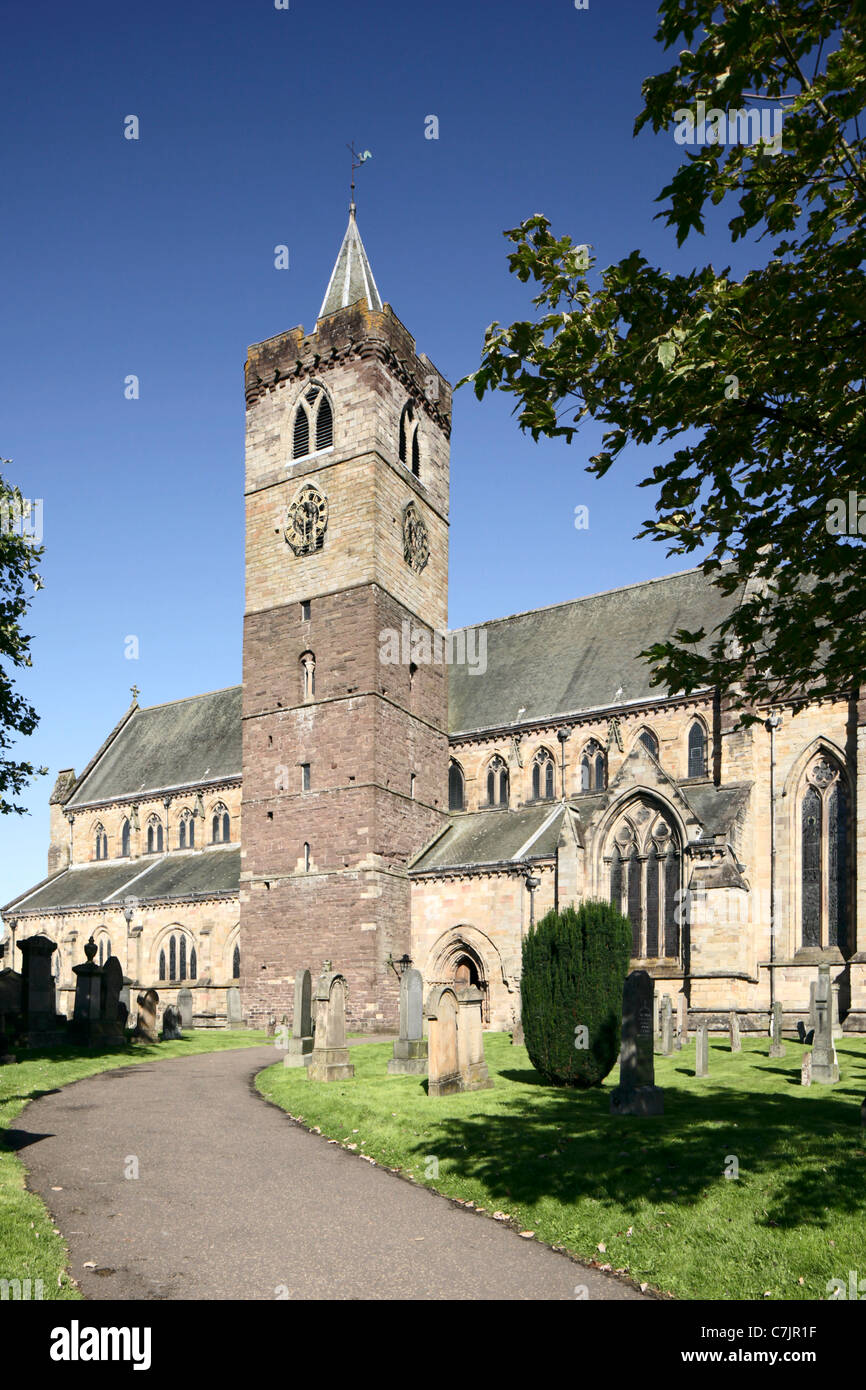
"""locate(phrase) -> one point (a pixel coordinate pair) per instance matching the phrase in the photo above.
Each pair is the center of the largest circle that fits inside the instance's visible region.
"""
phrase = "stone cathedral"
(378, 788)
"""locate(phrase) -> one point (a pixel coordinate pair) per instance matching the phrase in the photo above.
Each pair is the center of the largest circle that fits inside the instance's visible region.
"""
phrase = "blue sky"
(155, 257)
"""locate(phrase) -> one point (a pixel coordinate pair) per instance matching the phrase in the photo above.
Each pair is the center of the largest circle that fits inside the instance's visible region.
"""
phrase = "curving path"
(235, 1200)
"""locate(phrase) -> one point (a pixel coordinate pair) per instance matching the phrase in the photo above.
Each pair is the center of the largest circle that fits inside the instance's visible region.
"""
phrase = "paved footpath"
(235, 1200)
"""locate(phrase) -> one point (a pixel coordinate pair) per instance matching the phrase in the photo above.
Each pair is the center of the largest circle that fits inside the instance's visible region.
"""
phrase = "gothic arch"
(697, 722)
(495, 775)
(790, 847)
(542, 785)
(465, 944)
(183, 959)
(312, 421)
(641, 870)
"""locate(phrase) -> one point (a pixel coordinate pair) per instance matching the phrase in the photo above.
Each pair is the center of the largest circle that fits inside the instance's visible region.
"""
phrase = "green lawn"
(30, 1246)
(650, 1196)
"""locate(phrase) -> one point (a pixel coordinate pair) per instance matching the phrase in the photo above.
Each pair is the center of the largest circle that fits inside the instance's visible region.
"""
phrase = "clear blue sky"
(156, 257)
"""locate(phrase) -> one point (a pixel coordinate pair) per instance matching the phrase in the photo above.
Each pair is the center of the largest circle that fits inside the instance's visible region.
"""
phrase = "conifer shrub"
(574, 968)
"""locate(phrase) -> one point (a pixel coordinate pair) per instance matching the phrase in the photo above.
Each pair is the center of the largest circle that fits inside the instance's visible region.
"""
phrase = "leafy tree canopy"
(19, 579)
(752, 386)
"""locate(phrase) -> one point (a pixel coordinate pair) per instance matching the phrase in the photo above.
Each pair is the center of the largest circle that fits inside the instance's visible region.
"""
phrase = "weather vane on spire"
(357, 161)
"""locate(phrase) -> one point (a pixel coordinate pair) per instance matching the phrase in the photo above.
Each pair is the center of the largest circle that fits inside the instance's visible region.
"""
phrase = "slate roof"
(574, 657)
(163, 746)
(202, 873)
(493, 837)
(352, 277)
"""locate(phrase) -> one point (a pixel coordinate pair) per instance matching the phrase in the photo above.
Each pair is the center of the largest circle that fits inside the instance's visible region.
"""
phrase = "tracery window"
(697, 750)
(543, 776)
(155, 839)
(314, 420)
(180, 962)
(456, 787)
(101, 842)
(824, 851)
(497, 782)
(645, 866)
(593, 768)
(220, 825)
(103, 942)
(186, 831)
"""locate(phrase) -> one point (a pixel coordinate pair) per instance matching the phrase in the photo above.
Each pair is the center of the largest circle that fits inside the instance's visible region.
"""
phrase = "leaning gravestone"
(171, 1025)
(300, 1045)
(233, 1007)
(443, 1066)
(410, 1049)
(145, 1027)
(734, 1025)
(637, 1093)
(825, 1067)
(702, 1051)
(777, 1047)
(184, 1004)
(330, 1056)
(667, 1026)
(474, 1075)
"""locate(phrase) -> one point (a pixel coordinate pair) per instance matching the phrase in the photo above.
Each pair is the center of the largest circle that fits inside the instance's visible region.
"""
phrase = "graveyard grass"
(647, 1197)
(29, 1245)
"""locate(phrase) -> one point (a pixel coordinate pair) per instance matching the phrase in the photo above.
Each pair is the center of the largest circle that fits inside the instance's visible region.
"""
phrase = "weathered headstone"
(474, 1075)
(734, 1026)
(517, 1038)
(777, 1047)
(837, 1030)
(683, 1020)
(271, 1029)
(11, 994)
(702, 1050)
(443, 1067)
(184, 1004)
(300, 1045)
(825, 1067)
(667, 1026)
(330, 1056)
(806, 1070)
(171, 1025)
(6, 1057)
(145, 1026)
(233, 1007)
(410, 1049)
(43, 1026)
(112, 986)
(637, 1093)
(812, 1020)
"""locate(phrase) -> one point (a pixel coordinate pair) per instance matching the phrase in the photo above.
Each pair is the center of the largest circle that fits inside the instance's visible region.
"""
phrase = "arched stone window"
(155, 839)
(650, 742)
(308, 676)
(125, 839)
(220, 825)
(314, 420)
(497, 781)
(186, 831)
(409, 452)
(644, 856)
(101, 842)
(824, 855)
(543, 776)
(697, 750)
(177, 958)
(456, 787)
(236, 963)
(306, 858)
(103, 942)
(593, 768)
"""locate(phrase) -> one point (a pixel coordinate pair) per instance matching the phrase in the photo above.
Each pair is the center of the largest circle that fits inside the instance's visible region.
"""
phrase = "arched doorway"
(466, 972)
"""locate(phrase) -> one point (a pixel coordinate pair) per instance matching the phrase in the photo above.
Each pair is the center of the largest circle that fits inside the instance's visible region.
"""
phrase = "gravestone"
(410, 1049)
(171, 1025)
(667, 1026)
(145, 1025)
(682, 1021)
(11, 994)
(806, 1070)
(329, 1060)
(777, 1047)
(825, 1067)
(517, 1037)
(184, 1004)
(637, 1093)
(300, 1048)
(813, 1016)
(271, 1029)
(6, 1057)
(43, 1026)
(234, 1018)
(734, 1026)
(443, 1066)
(837, 1030)
(702, 1051)
(474, 1075)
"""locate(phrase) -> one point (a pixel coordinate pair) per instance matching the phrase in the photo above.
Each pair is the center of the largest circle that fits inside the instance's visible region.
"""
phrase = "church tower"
(345, 746)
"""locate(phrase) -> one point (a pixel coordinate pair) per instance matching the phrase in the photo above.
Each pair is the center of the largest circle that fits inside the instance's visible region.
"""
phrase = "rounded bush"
(574, 968)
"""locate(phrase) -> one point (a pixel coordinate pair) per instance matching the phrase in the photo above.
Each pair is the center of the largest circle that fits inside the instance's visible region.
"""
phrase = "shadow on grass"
(569, 1147)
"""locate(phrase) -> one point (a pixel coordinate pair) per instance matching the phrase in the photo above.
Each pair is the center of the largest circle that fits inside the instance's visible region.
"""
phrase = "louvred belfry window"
(314, 422)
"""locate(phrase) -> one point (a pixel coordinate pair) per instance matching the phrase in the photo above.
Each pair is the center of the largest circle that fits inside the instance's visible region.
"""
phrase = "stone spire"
(351, 279)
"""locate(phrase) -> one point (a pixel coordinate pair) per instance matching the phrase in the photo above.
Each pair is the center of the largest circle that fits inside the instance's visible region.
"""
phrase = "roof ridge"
(185, 699)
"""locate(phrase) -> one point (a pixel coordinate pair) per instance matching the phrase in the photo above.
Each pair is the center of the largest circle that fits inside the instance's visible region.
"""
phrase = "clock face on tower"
(416, 542)
(307, 521)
